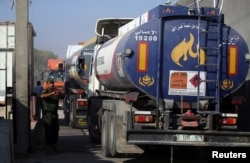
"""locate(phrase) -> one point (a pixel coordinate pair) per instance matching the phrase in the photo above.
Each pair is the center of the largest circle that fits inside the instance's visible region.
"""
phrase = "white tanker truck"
(76, 83)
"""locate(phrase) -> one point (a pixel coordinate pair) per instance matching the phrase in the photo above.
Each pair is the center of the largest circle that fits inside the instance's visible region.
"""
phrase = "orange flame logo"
(184, 48)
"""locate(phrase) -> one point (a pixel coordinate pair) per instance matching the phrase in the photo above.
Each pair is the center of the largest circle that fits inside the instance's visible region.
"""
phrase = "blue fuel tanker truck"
(174, 76)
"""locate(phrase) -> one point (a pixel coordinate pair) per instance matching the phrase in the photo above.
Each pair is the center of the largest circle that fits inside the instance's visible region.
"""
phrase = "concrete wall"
(236, 14)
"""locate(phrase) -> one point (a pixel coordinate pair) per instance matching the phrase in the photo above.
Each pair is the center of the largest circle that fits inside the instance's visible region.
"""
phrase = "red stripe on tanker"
(105, 61)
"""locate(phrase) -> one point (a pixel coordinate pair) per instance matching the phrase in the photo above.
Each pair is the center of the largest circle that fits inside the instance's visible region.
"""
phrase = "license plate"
(189, 138)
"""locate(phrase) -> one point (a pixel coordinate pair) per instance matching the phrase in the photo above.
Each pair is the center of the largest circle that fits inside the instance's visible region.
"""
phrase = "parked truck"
(7, 47)
(7, 63)
(174, 76)
(77, 65)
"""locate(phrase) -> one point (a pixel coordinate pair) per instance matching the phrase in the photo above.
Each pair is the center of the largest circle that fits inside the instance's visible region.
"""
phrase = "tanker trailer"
(76, 84)
(175, 76)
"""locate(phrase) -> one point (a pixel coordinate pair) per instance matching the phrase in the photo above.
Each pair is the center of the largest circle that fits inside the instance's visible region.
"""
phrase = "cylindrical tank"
(160, 57)
(72, 68)
(78, 65)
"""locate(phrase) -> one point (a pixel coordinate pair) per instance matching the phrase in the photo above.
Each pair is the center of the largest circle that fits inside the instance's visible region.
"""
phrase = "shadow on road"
(73, 146)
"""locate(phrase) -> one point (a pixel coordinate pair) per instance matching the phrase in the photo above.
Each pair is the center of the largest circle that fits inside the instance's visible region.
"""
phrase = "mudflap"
(80, 122)
(121, 144)
(93, 119)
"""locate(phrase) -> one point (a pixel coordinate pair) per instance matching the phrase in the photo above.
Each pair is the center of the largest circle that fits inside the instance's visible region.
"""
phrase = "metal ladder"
(213, 51)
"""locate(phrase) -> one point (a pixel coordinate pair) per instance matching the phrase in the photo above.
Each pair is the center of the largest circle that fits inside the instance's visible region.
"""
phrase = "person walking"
(50, 101)
(37, 93)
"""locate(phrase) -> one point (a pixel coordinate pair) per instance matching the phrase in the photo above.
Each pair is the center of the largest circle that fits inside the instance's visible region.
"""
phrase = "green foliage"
(40, 61)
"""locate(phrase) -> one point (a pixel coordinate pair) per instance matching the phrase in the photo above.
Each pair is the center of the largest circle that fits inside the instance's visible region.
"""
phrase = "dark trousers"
(51, 126)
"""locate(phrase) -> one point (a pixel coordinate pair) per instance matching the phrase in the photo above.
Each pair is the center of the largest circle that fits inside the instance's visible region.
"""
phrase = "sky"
(59, 23)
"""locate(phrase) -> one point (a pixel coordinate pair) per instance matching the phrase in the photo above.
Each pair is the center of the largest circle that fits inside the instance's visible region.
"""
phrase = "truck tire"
(93, 139)
(72, 111)
(112, 134)
(66, 110)
(105, 134)
(93, 124)
(66, 117)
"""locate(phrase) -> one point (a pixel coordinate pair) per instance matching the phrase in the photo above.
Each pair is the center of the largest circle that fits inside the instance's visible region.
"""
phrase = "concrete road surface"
(74, 147)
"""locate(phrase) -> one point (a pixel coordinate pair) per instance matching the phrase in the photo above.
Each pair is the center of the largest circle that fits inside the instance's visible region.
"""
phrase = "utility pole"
(21, 114)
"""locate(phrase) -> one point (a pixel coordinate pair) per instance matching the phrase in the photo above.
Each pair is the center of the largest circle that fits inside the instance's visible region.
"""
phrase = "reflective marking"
(232, 60)
(142, 65)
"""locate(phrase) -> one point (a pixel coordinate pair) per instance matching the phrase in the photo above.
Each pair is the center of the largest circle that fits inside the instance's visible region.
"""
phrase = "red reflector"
(238, 100)
(186, 105)
(82, 103)
(144, 118)
(228, 121)
(79, 91)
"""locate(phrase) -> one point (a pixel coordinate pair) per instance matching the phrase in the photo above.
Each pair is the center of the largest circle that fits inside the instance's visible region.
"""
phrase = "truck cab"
(54, 71)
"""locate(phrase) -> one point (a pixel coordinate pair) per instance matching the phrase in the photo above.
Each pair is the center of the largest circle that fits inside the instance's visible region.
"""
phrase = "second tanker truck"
(175, 76)
(77, 63)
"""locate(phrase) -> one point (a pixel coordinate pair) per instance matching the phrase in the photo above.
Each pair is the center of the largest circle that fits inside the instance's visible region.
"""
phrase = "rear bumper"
(210, 138)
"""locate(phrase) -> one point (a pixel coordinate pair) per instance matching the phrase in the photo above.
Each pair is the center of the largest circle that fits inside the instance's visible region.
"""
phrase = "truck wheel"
(66, 117)
(112, 133)
(105, 135)
(93, 139)
(72, 125)
(90, 129)
(93, 127)
(66, 110)
(71, 113)
(90, 122)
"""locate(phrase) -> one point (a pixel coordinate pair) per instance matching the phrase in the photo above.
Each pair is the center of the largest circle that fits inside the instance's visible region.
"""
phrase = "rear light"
(143, 118)
(79, 91)
(82, 102)
(186, 105)
(228, 121)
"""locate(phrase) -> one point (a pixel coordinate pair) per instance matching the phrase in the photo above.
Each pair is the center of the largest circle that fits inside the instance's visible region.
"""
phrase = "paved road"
(75, 146)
